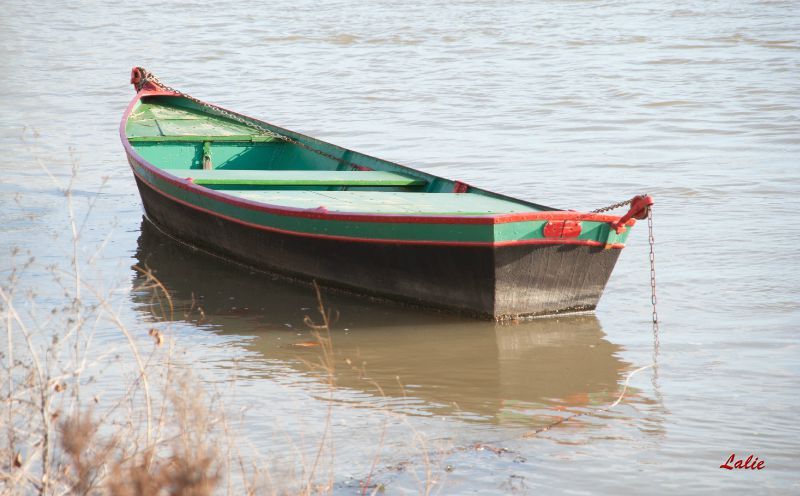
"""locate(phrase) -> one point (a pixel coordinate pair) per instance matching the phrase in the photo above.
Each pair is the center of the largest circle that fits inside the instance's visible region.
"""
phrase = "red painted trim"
(378, 240)
(340, 216)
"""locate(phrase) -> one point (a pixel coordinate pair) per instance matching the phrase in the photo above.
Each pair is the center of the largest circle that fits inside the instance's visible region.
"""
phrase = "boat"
(277, 200)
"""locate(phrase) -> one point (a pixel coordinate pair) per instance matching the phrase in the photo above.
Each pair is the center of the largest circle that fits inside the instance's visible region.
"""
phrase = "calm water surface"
(570, 104)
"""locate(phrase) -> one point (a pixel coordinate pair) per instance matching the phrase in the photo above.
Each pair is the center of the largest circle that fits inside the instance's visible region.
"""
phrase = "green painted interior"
(174, 134)
(157, 119)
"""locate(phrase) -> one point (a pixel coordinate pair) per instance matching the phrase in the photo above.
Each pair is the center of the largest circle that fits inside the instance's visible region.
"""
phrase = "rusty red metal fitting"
(640, 207)
(136, 76)
(142, 79)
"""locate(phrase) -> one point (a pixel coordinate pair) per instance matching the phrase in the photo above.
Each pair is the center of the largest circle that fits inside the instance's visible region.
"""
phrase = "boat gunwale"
(345, 216)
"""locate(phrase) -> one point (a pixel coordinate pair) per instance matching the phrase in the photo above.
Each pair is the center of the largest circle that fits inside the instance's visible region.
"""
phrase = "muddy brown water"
(570, 104)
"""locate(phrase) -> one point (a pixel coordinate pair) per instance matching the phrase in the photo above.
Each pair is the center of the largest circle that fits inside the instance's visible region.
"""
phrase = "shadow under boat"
(419, 362)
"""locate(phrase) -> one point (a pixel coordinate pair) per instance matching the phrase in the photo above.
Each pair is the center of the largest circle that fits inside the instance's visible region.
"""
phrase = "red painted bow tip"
(141, 79)
(640, 208)
(137, 76)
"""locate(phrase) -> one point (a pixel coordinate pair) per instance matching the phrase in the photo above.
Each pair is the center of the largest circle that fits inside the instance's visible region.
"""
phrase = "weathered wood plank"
(298, 178)
(200, 139)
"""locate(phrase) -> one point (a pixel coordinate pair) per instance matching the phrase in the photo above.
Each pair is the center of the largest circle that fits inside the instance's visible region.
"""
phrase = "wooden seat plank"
(220, 177)
(192, 138)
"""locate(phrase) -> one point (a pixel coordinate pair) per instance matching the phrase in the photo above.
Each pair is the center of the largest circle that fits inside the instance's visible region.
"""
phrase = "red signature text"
(752, 463)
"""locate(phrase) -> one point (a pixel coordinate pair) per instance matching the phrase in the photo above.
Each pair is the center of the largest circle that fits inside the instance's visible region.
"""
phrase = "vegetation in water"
(64, 429)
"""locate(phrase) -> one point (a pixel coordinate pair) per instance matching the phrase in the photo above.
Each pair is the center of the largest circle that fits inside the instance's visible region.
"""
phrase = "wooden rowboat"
(277, 200)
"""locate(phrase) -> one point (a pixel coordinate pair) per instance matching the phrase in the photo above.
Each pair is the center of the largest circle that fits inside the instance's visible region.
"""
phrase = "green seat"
(191, 138)
(231, 177)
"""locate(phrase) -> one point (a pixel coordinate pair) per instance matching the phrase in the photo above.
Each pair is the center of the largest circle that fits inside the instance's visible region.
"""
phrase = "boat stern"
(564, 265)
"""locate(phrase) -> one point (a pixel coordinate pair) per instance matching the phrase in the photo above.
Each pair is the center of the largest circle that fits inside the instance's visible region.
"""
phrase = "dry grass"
(61, 431)
(54, 442)
(157, 430)
(161, 435)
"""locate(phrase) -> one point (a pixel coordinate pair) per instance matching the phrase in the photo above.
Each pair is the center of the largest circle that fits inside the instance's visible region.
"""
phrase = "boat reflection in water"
(406, 359)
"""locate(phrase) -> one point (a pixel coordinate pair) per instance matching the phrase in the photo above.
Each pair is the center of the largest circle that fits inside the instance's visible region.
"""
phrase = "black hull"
(485, 282)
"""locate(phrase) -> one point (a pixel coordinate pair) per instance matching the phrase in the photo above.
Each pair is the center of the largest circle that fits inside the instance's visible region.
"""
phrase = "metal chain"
(653, 298)
(148, 76)
(613, 206)
(651, 239)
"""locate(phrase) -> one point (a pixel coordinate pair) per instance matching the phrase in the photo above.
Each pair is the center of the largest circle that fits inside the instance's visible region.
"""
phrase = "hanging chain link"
(651, 239)
(653, 299)
(147, 76)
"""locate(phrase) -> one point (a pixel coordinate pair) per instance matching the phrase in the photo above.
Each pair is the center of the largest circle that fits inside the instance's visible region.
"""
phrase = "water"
(570, 104)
